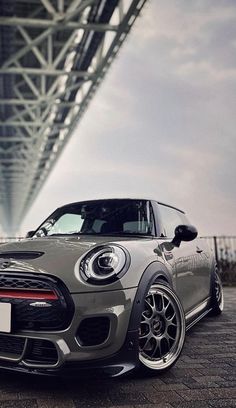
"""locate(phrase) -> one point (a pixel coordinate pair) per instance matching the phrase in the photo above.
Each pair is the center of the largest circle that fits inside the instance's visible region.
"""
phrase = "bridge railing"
(224, 248)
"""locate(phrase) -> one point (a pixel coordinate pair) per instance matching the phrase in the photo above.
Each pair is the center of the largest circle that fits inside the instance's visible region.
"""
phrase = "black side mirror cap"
(184, 233)
(30, 234)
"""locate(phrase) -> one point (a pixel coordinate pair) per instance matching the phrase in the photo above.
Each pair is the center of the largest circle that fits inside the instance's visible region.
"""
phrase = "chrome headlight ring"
(104, 264)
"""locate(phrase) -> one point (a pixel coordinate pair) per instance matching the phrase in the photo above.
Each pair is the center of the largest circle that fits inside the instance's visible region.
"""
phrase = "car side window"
(171, 218)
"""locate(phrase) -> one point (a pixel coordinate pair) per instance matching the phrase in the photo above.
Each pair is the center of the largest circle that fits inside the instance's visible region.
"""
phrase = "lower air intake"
(41, 352)
(93, 331)
(11, 345)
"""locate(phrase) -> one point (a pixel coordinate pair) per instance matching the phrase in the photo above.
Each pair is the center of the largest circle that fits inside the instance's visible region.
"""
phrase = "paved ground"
(205, 376)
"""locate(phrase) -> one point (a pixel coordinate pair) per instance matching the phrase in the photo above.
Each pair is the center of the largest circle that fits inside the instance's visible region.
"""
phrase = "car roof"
(123, 198)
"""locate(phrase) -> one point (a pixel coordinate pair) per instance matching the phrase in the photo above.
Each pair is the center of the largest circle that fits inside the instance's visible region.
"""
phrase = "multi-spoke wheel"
(162, 328)
(217, 296)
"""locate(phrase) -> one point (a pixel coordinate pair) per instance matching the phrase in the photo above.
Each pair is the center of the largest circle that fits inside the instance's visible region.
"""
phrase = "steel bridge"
(53, 56)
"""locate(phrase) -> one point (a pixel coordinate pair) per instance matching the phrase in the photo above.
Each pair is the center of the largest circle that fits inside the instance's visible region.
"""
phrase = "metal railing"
(225, 253)
(224, 248)
(4, 240)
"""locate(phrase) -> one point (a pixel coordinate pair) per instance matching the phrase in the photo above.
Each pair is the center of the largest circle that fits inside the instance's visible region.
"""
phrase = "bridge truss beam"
(53, 55)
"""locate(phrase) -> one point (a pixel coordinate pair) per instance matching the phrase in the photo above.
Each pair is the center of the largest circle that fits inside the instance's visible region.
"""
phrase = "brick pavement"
(205, 376)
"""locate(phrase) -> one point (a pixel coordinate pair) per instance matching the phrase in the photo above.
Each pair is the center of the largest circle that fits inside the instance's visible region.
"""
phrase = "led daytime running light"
(103, 264)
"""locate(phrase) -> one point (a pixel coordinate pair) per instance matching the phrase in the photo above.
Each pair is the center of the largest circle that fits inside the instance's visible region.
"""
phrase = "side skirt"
(197, 313)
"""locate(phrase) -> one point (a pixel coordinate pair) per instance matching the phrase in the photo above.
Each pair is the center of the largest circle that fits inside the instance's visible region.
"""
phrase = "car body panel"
(192, 272)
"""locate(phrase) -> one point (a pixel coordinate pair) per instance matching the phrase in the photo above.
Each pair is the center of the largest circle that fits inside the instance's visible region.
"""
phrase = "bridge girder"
(53, 55)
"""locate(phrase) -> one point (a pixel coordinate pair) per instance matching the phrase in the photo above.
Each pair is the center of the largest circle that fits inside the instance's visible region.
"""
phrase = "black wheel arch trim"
(156, 270)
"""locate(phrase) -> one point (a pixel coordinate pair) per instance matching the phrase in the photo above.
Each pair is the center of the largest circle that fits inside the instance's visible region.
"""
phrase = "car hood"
(56, 256)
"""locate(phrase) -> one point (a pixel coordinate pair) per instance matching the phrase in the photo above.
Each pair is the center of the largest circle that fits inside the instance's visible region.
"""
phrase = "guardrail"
(224, 248)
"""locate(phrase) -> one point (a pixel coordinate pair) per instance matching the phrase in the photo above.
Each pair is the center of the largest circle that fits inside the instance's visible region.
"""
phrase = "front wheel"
(162, 329)
(217, 296)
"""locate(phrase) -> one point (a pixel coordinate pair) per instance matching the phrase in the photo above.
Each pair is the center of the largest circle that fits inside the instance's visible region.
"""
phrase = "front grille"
(11, 345)
(17, 282)
(93, 331)
(38, 318)
(31, 313)
(41, 352)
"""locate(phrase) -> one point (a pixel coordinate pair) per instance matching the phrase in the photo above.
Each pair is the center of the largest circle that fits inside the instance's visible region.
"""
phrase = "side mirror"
(30, 234)
(184, 233)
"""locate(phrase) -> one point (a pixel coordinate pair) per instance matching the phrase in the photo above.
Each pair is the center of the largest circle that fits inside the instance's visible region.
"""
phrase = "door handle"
(199, 250)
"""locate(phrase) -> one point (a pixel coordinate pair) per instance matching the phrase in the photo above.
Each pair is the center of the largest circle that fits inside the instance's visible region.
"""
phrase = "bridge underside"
(53, 56)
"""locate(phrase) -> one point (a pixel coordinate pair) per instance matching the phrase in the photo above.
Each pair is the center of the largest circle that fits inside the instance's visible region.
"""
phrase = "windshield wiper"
(71, 234)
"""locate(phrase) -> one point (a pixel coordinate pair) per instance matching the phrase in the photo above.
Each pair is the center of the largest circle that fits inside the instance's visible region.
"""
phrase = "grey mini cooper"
(109, 284)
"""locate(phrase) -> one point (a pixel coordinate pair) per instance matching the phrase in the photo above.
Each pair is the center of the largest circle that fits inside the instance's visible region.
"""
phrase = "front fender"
(154, 271)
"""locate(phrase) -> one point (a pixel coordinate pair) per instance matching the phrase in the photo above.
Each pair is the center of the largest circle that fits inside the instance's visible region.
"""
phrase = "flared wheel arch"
(156, 271)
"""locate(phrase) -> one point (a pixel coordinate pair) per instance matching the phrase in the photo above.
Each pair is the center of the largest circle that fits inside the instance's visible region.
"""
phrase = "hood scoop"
(20, 255)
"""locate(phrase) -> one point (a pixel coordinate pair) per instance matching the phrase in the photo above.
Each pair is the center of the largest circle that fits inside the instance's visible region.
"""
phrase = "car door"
(189, 261)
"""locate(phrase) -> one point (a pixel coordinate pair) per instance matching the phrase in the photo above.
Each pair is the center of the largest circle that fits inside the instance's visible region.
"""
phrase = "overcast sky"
(163, 122)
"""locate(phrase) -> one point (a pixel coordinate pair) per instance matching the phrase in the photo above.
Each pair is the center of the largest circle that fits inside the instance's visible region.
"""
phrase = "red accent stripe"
(28, 294)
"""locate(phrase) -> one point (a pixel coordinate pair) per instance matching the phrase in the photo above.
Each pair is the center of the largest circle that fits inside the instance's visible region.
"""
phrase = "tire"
(217, 296)
(162, 329)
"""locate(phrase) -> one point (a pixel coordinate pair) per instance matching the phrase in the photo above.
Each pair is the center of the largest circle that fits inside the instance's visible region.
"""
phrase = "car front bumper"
(62, 351)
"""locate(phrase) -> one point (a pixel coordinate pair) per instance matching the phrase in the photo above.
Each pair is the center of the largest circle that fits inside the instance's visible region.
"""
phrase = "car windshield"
(101, 217)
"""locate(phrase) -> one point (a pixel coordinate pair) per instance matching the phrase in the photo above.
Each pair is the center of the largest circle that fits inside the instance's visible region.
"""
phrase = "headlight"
(104, 264)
